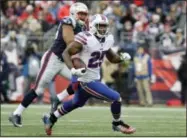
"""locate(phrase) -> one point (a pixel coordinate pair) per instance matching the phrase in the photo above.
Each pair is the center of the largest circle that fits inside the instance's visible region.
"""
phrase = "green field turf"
(96, 121)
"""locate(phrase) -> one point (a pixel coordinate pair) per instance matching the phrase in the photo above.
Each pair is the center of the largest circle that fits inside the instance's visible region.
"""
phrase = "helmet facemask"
(99, 25)
(102, 29)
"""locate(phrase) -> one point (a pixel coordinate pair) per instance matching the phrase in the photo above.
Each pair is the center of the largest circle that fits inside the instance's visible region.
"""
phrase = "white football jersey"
(93, 53)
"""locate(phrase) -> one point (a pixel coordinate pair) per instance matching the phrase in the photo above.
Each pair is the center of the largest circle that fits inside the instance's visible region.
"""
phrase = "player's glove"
(78, 72)
(125, 56)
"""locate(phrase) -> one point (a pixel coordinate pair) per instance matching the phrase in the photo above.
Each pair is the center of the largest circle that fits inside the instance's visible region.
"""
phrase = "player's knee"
(39, 90)
(41, 86)
(46, 82)
(66, 73)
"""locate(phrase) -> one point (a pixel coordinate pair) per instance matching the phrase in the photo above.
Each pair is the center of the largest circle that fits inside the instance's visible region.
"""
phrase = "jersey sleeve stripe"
(80, 41)
(82, 37)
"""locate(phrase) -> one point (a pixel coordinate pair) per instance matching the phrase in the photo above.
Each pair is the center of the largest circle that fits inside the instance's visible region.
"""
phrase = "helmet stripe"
(103, 17)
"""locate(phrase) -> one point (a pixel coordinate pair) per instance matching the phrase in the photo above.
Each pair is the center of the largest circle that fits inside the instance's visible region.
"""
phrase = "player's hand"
(78, 72)
(125, 56)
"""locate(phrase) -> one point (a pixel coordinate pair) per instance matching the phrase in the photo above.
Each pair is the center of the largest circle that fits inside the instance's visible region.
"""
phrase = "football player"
(52, 62)
(92, 46)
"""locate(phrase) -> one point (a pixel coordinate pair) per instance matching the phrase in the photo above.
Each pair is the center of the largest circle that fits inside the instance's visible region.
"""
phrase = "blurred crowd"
(147, 24)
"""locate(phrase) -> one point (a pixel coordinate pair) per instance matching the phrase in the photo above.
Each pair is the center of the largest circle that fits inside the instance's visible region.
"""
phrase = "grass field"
(96, 121)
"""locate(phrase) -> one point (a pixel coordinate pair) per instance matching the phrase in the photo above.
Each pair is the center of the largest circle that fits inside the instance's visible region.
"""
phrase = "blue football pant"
(86, 90)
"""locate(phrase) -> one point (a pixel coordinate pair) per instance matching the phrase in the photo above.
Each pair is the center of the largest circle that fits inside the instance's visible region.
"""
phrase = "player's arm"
(67, 33)
(115, 58)
(72, 49)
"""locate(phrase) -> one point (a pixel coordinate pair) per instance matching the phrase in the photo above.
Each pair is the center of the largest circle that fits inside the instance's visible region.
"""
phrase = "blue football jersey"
(59, 44)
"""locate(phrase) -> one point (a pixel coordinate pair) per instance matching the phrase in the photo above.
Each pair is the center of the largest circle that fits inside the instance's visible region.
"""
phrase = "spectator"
(48, 16)
(64, 10)
(11, 24)
(54, 8)
(112, 27)
(167, 39)
(31, 64)
(22, 39)
(4, 71)
(143, 72)
(181, 20)
(155, 27)
(34, 26)
(10, 9)
(28, 14)
(173, 12)
(144, 17)
(106, 73)
(139, 36)
(38, 7)
(121, 78)
(127, 32)
(44, 24)
(126, 44)
(171, 22)
(117, 9)
(4, 28)
(25, 28)
(128, 17)
(160, 12)
(18, 8)
(103, 7)
(180, 40)
(108, 9)
(139, 2)
(132, 9)
(23, 4)
(11, 48)
(152, 4)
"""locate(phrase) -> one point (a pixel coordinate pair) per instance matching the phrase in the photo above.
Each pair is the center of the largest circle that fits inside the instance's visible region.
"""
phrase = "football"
(78, 63)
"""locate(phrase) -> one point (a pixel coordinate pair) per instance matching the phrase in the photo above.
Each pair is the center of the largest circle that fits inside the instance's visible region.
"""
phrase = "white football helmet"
(77, 8)
(99, 25)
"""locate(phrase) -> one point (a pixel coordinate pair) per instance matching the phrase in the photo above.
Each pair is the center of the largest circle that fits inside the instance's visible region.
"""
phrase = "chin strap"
(81, 22)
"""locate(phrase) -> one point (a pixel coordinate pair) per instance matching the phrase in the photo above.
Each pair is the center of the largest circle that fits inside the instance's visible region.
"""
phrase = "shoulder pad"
(69, 21)
(86, 33)
(81, 38)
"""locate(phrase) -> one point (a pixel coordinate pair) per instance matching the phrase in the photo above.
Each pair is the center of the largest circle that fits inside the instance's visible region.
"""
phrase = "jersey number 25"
(97, 59)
